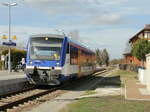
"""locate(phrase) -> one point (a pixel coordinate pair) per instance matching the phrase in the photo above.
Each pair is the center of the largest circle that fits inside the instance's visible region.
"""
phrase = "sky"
(96, 23)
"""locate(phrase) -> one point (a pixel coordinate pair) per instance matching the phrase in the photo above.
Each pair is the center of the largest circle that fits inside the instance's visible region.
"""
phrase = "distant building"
(143, 34)
(129, 59)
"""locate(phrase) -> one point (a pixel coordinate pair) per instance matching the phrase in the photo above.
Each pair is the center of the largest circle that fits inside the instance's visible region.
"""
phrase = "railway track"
(10, 100)
(16, 92)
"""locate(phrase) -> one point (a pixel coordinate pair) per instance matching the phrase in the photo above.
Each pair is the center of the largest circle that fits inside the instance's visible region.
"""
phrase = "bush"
(140, 49)
(1, 64)
(16, 56)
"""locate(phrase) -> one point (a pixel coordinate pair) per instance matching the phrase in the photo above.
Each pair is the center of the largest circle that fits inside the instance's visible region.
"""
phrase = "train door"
(66, 68)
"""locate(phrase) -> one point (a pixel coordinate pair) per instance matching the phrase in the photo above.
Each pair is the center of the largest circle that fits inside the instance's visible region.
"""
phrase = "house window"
(131, 61)
(147, 35)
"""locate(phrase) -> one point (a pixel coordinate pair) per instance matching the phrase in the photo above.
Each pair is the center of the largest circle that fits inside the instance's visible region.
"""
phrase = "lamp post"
(9, 5)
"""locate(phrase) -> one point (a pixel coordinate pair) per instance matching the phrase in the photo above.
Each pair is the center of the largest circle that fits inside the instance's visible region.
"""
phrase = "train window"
(45, 49)
(86, 58)
(73, 55)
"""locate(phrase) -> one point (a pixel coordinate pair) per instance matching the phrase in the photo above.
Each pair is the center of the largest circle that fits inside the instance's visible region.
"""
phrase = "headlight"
(57, 64)
(31, 62)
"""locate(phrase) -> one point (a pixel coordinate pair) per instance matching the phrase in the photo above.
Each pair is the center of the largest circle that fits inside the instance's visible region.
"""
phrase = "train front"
(43, 59)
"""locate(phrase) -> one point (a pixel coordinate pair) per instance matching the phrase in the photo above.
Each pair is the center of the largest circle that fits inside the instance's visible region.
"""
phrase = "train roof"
(48, 35)
(73, 42)
(80, 46)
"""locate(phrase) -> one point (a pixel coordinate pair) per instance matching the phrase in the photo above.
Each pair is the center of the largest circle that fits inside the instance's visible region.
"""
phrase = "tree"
(102, 57)
(16, 56)
(116, 61)
(99, 57)
(105, 57)
(140, 49)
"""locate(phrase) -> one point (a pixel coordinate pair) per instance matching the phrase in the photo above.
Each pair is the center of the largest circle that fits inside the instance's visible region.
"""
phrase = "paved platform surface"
(4, 75)
(11, 82)
(136, 91)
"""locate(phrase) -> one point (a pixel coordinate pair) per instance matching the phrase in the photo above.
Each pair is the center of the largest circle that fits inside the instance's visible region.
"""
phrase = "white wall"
(148, 71)
(142, 75)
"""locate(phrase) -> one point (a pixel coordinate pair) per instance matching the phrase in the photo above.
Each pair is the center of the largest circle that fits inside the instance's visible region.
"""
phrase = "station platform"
(12, 82)
(134, 90)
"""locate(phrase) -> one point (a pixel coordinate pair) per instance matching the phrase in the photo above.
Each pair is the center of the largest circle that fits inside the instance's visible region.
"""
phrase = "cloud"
(60, 2)
(114, 40)
(74, 7)
(99, 22)
(105, 19)
(74, 2)
(94, 12)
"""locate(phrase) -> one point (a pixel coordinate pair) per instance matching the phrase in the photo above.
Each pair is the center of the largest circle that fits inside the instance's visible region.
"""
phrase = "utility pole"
(9, 5)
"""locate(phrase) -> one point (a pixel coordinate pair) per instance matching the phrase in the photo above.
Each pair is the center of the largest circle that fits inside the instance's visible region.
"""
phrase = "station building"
(143, 34)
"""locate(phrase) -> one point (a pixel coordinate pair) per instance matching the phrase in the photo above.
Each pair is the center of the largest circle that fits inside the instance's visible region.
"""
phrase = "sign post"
(9, 5)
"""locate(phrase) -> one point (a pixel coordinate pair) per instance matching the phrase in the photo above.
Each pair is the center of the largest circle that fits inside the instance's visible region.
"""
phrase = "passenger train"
(53, 59)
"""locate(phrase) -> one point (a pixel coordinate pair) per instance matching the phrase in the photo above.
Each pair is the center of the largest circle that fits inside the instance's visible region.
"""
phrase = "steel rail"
(10, 105)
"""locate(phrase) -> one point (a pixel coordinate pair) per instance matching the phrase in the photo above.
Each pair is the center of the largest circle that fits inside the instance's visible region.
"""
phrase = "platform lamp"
(9, 5)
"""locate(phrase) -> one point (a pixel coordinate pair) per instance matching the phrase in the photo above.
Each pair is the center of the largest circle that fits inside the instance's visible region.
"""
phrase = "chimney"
(147, 26)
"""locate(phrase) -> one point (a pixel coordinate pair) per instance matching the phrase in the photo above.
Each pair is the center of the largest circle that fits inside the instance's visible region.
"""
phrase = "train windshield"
(46, 48)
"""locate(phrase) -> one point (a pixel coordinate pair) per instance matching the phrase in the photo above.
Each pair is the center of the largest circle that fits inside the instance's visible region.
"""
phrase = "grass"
(124, 73)
(89, 92)
(108, 104)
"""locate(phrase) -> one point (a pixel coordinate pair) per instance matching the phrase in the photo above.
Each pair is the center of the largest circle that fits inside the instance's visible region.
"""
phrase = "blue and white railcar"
(53, 59)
